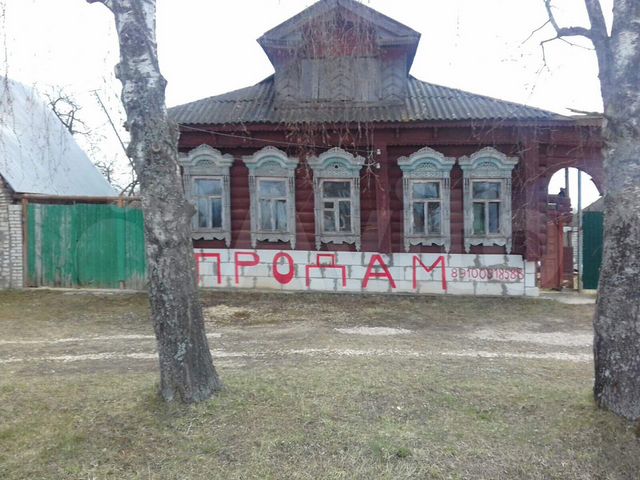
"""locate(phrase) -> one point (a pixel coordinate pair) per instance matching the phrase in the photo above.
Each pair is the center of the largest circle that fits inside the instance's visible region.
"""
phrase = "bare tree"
(186, 369)
(66, 108)
(617, 319)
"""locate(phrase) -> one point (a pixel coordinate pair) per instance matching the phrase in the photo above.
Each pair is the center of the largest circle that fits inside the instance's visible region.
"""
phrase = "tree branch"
(565, 31)
(106, 3)
(599, 35)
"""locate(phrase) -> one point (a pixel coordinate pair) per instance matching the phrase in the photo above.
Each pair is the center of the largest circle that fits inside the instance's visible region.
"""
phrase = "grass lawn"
(471, 388)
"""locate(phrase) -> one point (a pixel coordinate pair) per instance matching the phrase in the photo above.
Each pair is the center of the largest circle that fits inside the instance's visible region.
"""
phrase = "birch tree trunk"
(617, 319)
(187, 373)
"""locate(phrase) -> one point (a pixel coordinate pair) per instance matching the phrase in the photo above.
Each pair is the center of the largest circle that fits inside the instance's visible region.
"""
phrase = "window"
(272, 192)
(336, 206)
(487, 198)
(206, 182)
(426, 198)
(336, 183)
(486, 208)
(207, 196)
(272, 205)
(426, 208)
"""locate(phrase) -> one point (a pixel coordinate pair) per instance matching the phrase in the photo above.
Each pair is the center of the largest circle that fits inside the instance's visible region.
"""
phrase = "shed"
(38, 157)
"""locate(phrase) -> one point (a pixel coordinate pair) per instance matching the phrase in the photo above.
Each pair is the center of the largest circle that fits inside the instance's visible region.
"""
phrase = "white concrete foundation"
(367, 272)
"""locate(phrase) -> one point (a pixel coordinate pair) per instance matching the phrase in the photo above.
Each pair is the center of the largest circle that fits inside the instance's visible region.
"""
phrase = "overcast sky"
(208, 47)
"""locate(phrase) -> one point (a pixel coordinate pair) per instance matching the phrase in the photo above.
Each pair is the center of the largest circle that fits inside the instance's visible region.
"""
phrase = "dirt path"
(234, 346)
(88, 331)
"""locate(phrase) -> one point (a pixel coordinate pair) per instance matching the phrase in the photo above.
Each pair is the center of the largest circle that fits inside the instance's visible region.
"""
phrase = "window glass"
(345, 216)
(494, 217)
(216, 213)
(434, 217)
(486, 190)
(272, 188)
(336, 189)
(424, 190)
(265, 215)
(207, 196)
(208, 187)
(418, 217)
(329, 220)
(281, 215)
(478, 218)
(203, 208)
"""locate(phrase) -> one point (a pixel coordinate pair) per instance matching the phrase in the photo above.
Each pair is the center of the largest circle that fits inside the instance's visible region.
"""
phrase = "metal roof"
(37, 153)
(424, 102)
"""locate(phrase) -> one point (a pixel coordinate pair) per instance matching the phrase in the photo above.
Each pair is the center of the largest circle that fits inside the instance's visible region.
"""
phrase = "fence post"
(121, 243)
(25, 242)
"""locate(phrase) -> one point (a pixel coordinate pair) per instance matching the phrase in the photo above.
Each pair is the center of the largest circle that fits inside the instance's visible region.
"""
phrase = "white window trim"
(337, 164)
(427, 165)
(488, 165)
(272, 164)
(205, 162)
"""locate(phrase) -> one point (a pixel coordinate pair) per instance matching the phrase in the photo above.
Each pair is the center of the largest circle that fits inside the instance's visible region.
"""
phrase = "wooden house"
(343, 172)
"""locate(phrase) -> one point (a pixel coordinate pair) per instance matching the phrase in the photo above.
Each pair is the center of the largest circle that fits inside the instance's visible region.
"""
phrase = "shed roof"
(37, 153)
(423, 102)
(597, 206)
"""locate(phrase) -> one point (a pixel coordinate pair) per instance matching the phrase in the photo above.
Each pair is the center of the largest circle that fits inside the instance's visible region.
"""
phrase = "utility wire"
(264, 140)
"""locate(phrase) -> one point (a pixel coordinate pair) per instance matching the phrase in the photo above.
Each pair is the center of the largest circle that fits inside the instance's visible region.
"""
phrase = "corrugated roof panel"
(424, 102)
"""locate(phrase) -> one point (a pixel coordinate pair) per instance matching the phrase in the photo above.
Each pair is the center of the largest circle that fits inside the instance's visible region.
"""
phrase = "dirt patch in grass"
(568, 339)
(479, 389)
(375, 331)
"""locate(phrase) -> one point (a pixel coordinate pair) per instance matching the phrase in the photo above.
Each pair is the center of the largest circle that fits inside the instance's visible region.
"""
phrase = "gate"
(85, 245)
(592, 226)
(552, 271)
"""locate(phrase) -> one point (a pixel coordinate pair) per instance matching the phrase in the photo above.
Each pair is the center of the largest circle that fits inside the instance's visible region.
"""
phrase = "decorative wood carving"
(273, 163)
(337, 164)
(207, 162)
(488, 164)
(425, 164)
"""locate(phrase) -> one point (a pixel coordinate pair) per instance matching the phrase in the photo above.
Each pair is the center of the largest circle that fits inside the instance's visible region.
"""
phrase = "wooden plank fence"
(85, 245)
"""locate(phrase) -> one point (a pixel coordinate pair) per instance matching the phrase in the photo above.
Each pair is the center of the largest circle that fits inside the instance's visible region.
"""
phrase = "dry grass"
(302, 417)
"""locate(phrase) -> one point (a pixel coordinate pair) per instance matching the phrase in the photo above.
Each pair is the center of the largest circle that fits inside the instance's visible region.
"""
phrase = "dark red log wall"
(542, 151)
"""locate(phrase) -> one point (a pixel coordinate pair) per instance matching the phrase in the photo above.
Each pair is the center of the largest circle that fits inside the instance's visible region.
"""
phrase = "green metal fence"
(85, 245)
(591, 248)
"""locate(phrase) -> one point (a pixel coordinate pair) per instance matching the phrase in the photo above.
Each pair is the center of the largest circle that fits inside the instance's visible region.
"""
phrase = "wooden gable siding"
(539, 160)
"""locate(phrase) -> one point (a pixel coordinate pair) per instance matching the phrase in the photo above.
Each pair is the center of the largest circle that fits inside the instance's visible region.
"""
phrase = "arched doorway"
(570, 191)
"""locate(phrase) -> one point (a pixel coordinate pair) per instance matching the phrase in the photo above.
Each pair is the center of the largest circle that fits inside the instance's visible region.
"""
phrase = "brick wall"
(10, 240)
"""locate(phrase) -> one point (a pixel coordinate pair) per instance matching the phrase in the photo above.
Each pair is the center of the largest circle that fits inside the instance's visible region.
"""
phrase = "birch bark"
(617, 318)
(187, 373)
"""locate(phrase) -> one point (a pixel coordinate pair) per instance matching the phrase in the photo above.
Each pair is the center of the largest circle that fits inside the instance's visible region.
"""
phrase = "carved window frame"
(205, 162)
(272, 163)
(488, 165)
(337, 165)
(427, 165)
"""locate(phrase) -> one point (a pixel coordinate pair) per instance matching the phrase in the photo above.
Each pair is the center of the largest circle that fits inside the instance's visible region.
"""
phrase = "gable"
(388, 31)
(340, 50)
